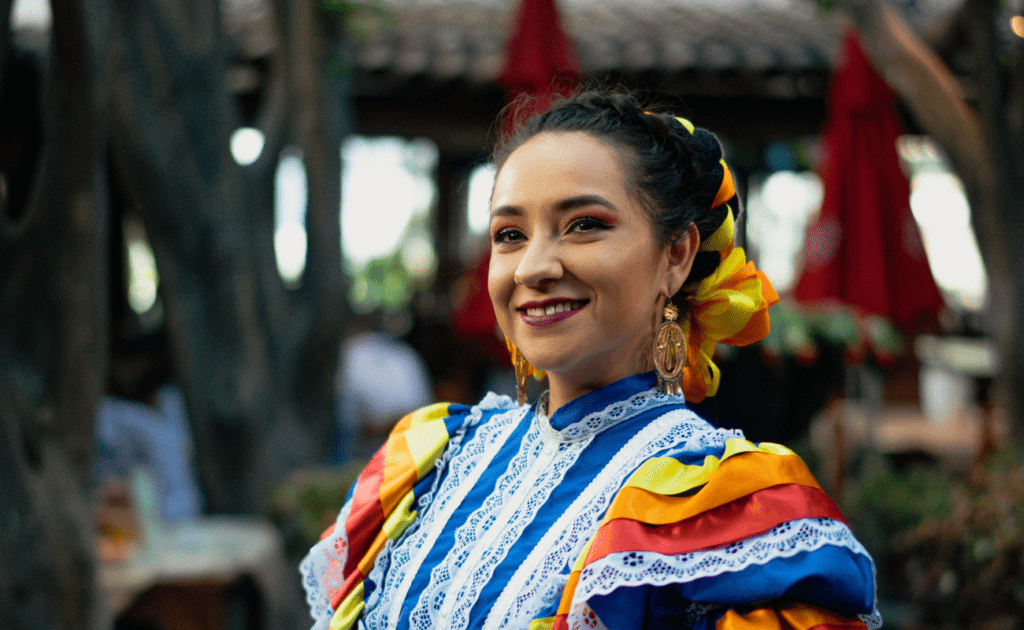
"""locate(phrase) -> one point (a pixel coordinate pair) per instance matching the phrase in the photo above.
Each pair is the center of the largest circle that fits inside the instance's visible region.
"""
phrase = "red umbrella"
(865, 249)
(540, 62)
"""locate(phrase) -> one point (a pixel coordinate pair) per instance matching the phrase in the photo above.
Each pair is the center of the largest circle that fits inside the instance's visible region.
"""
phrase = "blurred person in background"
(380, 379)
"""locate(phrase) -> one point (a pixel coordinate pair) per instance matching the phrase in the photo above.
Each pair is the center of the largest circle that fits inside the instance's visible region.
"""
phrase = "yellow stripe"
(547, 623)
(686, 123)
(582, 558)
(401, 517)
(668, 476)
(426, 441)
(722, 238)
(774, 449)
(437, 411)
(736, 446)
(349, 609)
(736, 478)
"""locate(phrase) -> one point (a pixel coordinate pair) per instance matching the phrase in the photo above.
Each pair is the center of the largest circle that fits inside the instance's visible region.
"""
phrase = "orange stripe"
(736, 477)
(567, 593)
(745, 517)
(759, 619)
(399, 473)
(806, 617)
(403, 424)
(796, 617)
(727, 190)
(370, 557)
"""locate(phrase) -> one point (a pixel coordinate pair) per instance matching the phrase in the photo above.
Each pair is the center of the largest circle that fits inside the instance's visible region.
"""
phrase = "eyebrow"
(562, 206)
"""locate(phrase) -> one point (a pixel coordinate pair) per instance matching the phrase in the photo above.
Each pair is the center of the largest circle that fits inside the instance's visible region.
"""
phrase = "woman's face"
(577, 273)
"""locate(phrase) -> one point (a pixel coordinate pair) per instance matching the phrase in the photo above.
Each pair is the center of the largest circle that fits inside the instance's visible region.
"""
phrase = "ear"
(681, 254)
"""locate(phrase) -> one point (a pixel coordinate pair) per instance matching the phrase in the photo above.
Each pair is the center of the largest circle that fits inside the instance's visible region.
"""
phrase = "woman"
(606, 503)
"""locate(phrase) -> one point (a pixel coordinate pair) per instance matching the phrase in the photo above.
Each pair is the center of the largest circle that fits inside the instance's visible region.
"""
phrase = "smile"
(550, 312)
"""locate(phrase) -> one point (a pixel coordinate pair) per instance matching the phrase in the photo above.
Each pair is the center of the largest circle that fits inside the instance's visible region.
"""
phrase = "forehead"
(560, 164)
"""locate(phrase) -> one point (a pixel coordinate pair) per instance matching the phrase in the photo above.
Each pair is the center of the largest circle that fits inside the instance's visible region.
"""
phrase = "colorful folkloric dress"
(623, 509)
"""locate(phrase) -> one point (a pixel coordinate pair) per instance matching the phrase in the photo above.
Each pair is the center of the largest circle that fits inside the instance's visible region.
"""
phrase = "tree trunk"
(255, 359)
(986, 148)
(53, 345)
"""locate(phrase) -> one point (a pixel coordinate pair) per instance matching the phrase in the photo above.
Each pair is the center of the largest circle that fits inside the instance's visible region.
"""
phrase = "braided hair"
(676, 173)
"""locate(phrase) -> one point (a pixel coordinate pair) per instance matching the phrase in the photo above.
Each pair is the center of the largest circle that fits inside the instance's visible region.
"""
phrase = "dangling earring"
(670, 352)
(522, 374)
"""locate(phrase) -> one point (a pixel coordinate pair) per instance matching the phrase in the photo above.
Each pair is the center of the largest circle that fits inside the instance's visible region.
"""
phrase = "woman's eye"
(587, 224)
(507, 235)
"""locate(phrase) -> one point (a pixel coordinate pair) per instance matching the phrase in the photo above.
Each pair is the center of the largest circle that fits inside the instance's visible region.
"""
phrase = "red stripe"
(561, 622)
(351, 582)
(738, 519)
(367, 515)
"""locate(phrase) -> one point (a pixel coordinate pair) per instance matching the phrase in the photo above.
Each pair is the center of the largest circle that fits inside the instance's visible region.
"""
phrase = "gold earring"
(670, 352)
(522, 374)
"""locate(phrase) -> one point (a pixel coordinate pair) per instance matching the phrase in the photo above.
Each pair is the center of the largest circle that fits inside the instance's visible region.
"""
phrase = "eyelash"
(589, 223)
(501, 234)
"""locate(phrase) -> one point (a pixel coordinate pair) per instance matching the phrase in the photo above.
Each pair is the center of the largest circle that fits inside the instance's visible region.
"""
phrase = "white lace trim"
(613, 414)
(637, 568)
(492, 535)
(589, 620)
(529, 591)
(872, 621)
(317, 563)
(466, 536)
(467, 463)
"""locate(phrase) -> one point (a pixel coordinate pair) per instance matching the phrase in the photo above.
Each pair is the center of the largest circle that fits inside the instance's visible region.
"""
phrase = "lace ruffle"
(465, 465)
(321, 570)
(529, 592)
(613, 414)
(509, 491)
(638, 568)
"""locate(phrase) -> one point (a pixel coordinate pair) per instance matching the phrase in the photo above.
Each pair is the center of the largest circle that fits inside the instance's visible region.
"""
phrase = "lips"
(550, 311)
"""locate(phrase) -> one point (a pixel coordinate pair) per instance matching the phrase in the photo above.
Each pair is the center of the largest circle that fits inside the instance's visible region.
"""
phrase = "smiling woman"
(577, 268)
(606, 503)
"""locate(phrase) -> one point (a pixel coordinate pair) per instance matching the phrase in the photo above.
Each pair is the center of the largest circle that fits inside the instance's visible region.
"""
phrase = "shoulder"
(449, 417)
(740, 524)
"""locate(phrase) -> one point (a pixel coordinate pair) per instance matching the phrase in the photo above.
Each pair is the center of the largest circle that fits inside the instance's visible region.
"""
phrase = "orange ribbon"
(730, 307)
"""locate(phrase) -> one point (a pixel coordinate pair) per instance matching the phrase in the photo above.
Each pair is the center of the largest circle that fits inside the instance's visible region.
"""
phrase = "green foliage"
(309, 501)
(952, 545)
(796, 329)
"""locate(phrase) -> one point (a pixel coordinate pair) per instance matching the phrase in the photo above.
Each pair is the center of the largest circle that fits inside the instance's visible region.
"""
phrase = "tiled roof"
(465, 39)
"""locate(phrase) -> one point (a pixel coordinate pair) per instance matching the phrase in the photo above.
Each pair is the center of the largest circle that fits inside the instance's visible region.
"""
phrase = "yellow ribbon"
(730, 307)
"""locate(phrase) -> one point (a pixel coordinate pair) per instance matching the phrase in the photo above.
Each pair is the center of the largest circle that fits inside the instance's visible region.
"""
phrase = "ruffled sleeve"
(379, 508)
(741, 540)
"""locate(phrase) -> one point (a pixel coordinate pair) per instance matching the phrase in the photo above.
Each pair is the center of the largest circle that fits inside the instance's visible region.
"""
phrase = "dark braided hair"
(675, 174)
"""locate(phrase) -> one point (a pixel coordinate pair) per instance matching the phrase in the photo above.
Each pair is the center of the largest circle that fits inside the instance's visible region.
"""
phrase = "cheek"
(499, 283)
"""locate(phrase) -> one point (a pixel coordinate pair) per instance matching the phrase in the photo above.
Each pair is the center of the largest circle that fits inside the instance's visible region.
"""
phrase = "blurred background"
(239, 239)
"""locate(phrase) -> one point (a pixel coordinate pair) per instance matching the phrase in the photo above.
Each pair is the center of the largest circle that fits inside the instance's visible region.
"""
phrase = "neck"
(564, 389)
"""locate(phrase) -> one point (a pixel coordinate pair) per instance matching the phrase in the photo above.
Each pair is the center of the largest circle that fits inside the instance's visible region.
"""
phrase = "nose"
(540, 263)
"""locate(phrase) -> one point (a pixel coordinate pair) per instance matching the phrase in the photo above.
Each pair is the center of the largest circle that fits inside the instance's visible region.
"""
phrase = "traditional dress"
(623, 509)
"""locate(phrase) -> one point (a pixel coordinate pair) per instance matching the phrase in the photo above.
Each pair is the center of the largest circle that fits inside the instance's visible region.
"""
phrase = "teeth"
(551, 309)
